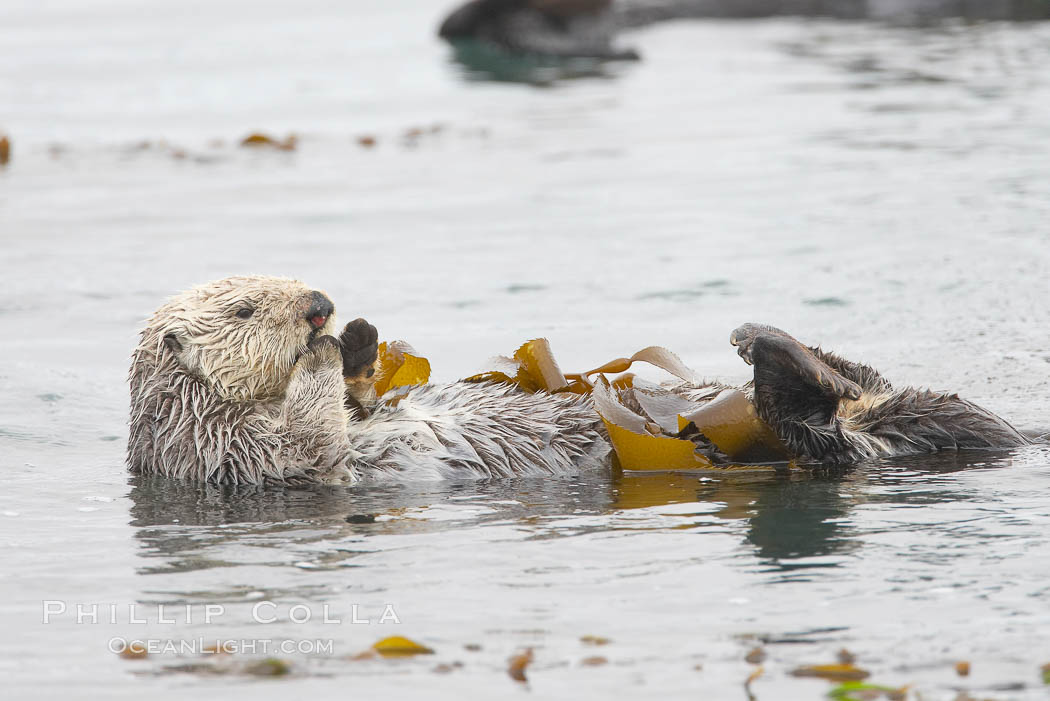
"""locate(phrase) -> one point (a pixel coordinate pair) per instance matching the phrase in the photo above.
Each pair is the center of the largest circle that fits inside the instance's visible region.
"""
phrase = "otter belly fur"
(240, 381)
(478, 430)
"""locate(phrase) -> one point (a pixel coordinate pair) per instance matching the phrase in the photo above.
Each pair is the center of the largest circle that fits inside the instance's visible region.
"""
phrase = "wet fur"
(828, 409)
(549, 28)
(219, 399)
(463, 429)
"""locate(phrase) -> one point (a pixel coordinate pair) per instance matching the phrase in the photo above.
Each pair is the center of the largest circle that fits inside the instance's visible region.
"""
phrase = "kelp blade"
(533, 369)
(656, 356)
(635, 447)
(538, 362)
(399, 366)
(732, 423)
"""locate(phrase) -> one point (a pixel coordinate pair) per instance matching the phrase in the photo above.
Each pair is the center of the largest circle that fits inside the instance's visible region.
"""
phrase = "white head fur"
(212, 395)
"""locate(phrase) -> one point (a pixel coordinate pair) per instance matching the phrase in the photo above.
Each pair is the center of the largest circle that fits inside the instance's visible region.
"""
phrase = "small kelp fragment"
(732, 423)
(594, 640)
(860, 691)
(755, 656)
(845, 656)
(134, 650)
(636, 446)
(398, 646)
(366, 141)
(594, 661)
(446, 668)
(831, 672)
(516, 665)
(5, 150)
(270, 667)
(360, 518)
(962, 669)
(399, 366)
(1044, 671)
(264, 140)
(472, 647)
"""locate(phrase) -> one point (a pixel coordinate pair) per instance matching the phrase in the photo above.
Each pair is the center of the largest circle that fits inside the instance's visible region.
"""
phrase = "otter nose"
(320, 309)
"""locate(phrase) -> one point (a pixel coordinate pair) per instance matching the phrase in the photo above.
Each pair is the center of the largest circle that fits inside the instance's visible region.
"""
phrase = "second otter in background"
(562, 29)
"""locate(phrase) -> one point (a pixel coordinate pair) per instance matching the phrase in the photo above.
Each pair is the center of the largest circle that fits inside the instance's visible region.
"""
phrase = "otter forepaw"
(322, 352)
(360, 348)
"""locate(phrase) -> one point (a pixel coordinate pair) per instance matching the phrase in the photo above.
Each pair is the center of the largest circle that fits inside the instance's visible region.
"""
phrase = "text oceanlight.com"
(213, 646)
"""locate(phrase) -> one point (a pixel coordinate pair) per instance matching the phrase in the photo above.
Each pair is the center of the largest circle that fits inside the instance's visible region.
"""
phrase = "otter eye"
(245, 313)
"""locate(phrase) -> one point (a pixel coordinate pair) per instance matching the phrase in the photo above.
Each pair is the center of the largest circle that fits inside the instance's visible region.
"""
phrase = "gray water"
(882, 191)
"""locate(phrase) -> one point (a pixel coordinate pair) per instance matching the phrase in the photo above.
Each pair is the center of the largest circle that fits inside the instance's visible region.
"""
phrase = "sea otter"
(586, 28)
(241, 381)
(541, 28)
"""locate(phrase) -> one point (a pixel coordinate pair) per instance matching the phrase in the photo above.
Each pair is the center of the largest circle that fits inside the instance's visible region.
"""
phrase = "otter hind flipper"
(780, 359)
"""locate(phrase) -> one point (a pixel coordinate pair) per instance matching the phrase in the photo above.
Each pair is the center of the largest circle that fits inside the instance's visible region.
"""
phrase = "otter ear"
(173, 342)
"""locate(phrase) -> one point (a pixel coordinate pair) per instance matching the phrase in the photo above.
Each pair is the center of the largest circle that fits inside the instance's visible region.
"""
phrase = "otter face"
(242, 335)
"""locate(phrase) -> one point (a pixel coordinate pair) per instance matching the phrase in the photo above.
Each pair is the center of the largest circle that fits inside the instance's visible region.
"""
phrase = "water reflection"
(794, 520)
(480, 62)
(790, 515)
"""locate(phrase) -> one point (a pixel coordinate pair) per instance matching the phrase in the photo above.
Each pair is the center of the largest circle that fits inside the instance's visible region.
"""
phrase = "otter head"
(241, 335)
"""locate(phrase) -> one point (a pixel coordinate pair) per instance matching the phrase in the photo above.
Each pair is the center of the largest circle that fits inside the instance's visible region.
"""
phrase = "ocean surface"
(883, 191)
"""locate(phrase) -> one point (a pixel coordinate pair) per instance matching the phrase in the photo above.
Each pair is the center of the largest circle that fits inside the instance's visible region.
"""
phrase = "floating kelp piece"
(516, 665)
(755, 656)
(269, 667)
(398, 646)
(858, 691)
(832, 672)
(264, 140)
(5, 150)
(399, 366)
(134, 650)
(594, 640)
